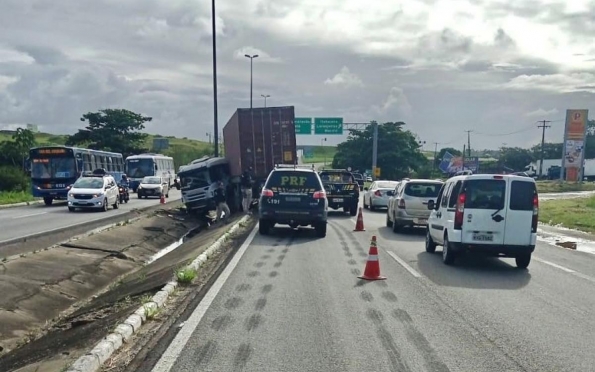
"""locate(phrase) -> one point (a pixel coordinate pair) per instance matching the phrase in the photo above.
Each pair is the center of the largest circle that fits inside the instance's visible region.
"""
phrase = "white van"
(491, 214)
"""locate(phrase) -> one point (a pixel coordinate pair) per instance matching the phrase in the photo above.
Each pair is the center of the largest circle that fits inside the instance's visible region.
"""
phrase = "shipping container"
(260, 138)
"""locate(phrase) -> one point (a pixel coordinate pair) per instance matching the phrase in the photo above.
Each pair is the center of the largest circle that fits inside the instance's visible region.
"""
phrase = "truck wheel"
(48, 201)
(264, 227)
(522, 261)
(320, 229)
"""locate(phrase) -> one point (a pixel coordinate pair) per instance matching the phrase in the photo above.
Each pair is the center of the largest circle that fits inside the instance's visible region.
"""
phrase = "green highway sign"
(328, 125)
(303, 125)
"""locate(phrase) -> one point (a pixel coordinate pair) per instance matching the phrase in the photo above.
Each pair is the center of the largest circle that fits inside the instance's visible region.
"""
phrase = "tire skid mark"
(394, 355)
(278, 264)
(233, 303)
(243, 287)
(375, 316)
(267, 288)
(352, 262)
(242, 355)
(205, 353)
(431, 359)
(265, 257)
(259, 264)
(253, 322)
(381, 283)
(253, 274)
(389, 296)
(222, 322)
(273, 274)
(367, 296)
(355, 271)
(260, 304)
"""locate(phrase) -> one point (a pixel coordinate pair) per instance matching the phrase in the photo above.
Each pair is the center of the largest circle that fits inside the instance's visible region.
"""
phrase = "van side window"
(440, 194)
(444, 200)
(452, 201)
(521, 195)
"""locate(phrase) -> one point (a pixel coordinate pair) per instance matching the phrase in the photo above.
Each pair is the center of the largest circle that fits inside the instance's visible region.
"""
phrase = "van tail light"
(267, 192)
(535, 214)
(320, 194)
(401, 204)
(460, 211)
(377, 193)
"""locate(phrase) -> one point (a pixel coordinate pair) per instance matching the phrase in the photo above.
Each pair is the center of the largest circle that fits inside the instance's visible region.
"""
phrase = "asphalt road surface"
(24, 221)
(292, 302)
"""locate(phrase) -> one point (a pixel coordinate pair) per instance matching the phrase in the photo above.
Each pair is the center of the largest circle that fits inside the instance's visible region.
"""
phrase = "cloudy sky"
(441, 66)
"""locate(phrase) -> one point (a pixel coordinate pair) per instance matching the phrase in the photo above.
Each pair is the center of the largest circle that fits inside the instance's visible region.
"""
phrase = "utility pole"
(463, 157)
(468, 143)
(435, 154)
(215, 118)
(542, 126)
(374, 149)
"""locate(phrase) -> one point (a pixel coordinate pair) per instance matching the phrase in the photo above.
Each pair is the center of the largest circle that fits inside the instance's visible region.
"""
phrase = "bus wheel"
(48, 201)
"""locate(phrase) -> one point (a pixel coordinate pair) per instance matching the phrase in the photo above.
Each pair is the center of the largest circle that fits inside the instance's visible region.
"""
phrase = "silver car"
(153, 186)
(409, 206)
(378, 194)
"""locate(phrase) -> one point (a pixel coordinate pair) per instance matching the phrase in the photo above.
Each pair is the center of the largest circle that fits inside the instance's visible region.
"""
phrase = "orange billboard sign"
(574, 143)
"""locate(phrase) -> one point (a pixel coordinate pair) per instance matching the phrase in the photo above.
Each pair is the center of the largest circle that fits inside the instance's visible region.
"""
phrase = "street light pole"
(265, 96)
(215, 118)
(322, 140)
(251, 59)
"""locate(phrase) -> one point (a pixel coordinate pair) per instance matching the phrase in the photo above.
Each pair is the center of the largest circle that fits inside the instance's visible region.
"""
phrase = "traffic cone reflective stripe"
(372, 270)
(359, 225)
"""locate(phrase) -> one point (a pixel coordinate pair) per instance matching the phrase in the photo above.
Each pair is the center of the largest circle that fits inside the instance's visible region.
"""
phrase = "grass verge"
(12, 197)
(553, 186)
(576, 213)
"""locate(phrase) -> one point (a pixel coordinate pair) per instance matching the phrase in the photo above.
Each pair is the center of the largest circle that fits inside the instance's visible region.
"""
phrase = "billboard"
(575, 133)
(452, 164)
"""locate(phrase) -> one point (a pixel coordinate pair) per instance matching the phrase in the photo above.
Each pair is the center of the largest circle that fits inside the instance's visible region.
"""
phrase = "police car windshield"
(294, 180)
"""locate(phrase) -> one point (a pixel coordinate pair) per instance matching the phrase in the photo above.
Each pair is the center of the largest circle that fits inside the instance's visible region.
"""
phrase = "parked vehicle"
(144, 165)
(54, 169)
(94, 190)
(489, 214)
(153, 186)
(257, 138)
(378, 194)
(342, 190)
(408, 206)
(293, 196)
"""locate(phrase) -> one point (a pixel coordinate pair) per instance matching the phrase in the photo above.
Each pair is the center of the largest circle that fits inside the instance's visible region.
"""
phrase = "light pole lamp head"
(249, 56)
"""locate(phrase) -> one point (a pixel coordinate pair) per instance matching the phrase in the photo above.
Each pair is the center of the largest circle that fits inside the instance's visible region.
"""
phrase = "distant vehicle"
(342, 190)
(359, 178)
(293, 196)
(54, 169)
(408, 206)
(494, 215)
(153, 186)
(378, 194)
(369, 179)
(94, 190)
(143, 165)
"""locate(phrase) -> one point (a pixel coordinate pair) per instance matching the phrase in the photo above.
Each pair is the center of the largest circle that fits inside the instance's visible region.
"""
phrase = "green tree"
(398, 151)
(443, 151)
(550, 151)
(115, 130)
(15, 152)
(515, 157)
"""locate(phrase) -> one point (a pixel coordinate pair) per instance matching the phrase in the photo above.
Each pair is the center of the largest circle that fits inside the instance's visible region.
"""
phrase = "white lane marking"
(170, 356)
(29, 215)
(404, 264)
(565, 269)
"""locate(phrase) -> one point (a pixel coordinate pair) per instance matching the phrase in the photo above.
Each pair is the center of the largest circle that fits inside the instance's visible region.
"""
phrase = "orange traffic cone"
(162, 200)
(372, 270)
(359, 226)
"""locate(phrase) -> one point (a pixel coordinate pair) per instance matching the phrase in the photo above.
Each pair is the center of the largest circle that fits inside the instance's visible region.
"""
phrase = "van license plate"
(338, 200)
(293, 199)
(483, 237)
(422, 221)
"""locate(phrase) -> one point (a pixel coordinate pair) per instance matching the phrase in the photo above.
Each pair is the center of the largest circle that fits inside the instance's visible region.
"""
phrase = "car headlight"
(70, 195)
(140, 187)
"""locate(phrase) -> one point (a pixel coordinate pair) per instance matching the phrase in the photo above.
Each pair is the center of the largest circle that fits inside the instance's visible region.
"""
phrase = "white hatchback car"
(494, 215)
(153, 186)
(378, 194)
(409, 205)
(94, 192)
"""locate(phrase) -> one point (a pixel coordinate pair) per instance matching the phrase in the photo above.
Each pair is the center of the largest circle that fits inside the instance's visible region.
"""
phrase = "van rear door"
(520, 212)
(484, 202)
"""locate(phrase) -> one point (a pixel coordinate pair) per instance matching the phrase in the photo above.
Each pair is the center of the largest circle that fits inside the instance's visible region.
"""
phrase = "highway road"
(23, 221)
(291, 302)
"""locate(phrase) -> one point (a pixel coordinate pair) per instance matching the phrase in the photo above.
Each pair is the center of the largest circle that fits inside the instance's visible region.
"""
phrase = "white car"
(494, 215)
(378, 194)
(153, 186)
(408, 206)
(94, 192)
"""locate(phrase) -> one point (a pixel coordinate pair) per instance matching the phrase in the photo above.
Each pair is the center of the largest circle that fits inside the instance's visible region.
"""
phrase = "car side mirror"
(365, 189)
(431, 204)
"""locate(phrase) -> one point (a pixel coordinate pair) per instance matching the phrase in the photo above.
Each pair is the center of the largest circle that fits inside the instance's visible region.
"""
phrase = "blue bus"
(143, 165)
(55, 168)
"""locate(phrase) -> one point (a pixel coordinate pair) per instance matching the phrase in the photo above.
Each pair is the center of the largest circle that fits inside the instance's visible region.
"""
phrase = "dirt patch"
(86, 322)
(37, 288)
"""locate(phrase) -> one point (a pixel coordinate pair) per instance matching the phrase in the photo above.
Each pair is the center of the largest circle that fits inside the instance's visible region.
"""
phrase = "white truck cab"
(494, 215)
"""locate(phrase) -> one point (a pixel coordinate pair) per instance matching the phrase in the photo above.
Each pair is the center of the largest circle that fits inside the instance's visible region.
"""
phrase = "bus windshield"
(48, 168)
(140, 168)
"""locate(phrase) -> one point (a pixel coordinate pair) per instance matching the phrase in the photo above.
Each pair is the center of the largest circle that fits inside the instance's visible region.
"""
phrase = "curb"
(23, 204)
(94, 359)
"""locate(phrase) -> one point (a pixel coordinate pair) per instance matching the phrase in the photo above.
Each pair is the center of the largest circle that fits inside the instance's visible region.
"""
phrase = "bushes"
(13, 179)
